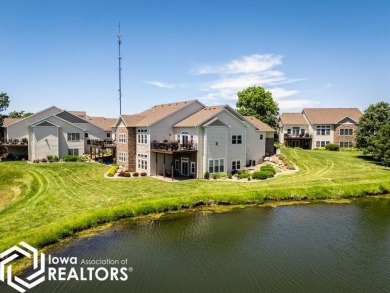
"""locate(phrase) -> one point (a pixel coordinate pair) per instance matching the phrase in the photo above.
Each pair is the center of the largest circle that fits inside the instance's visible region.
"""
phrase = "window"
(122, 138)
(73, 152)
(346, 144)
(192, 168)
(261, 136)
(295, 131)
(289, 131)
(321, 143)
(302, 132)
(108, 135)
(86, 135)
(73, 136)
(142, 162)
(216, 165)
(142, 136)
(122, 157)
(236, 165)
(176, 164)
(323, 129)
(346, 131)
(236, 139)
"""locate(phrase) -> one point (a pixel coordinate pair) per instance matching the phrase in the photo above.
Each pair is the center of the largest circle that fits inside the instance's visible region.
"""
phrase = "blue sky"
(307, 53)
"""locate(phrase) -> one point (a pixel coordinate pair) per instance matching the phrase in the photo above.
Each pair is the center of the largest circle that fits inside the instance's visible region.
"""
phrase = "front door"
(185, 167)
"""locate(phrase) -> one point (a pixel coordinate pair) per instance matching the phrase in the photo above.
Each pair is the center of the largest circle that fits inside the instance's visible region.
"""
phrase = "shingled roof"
(260, 125)
(8, 121)
(104, 123)
(331, 115)
(201, 117)
(292, 119)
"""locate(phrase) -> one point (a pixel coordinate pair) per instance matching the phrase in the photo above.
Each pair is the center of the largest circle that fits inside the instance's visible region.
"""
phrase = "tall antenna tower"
(120, 68)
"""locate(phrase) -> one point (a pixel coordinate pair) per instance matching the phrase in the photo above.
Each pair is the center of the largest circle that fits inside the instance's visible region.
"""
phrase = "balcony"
(297, 136)
(167, 147)
(15, 143)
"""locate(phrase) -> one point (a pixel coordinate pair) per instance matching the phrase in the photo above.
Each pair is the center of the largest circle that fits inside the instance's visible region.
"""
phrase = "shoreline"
(216, 208)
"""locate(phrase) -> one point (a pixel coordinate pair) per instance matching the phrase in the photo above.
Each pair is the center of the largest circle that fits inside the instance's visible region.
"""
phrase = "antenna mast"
(120, 68)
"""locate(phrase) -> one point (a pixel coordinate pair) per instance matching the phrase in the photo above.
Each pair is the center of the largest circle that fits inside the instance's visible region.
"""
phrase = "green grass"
(47, 202)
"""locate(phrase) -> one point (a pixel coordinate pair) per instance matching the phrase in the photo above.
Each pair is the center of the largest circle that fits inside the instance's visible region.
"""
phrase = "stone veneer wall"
(337, 137)
(129, 147)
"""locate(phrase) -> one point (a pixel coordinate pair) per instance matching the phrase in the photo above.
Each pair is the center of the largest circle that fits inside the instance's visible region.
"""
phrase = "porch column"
(156, 164)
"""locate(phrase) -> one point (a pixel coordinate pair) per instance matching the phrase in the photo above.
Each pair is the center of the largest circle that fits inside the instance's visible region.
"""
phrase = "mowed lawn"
(40, 203)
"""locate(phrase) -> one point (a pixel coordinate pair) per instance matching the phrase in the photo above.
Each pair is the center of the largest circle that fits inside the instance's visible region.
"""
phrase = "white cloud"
(246, 71)
(245, 64)
(161, 84)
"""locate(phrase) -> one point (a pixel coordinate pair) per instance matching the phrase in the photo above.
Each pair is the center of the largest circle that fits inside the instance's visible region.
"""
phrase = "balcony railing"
(174, 146)
(23, 141)
(300, 135)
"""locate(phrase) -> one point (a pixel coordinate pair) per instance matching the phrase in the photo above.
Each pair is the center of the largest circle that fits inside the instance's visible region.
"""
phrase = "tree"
(4, 103)
(381, 145)
(21, 114)
(374, 117)
(255, 101)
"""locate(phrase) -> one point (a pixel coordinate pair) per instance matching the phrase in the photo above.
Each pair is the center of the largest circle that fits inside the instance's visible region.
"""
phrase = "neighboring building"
(316, 127)
(188, 139)
(52, 131)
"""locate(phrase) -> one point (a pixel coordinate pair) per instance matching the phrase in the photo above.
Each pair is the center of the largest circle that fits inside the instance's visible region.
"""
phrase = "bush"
(243, 174)
(214, 176)
(143, 174)
(230, 175)
(135, 174)
(36, 161)
(43, 160)
(124, 174)
(55, 159)
(221, 175)
(70, 158)
(49, 157)
(261, 175)
(332, 147)
(206, 175)
(268, 168)
(111, 172)
(81, 159)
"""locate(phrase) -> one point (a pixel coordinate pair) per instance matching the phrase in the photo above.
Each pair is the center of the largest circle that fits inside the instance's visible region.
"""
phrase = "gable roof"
(292, 119)
(9, 121)
(201, 116)
(331, 115)
(81, 114)
(104, 123)
(130, 120)
(70, 117)
(32, 116)
(260, 125)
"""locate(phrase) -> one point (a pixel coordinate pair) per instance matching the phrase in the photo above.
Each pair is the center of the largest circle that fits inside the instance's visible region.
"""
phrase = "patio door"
(185, 167)
(184, 138)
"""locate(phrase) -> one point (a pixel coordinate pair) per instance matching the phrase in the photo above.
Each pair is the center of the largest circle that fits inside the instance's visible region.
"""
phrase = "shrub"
(124, 174)
(81, 159)
(214, 176)
(268, 168)
(206, 175)
(44, 160)
(36, 161)
(230, 175)
(143, 174)
(55, 159)
(221, 175)
(49, 157)
(244, 174)
(135, 174)
(70, 158)
(260, 175)
(111, 172)
(332, 147)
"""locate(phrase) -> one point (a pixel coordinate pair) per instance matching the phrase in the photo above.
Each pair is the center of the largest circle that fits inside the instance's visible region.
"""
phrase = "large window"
(142, 162)
(236, 139)
(216, 165)
(236, 165)
(346, 144)
(295, 131)
(122, 157)
(346, 131)
(122, 138)
(321, 143)
(323, 129)
(73, 152)
(73, 136)
(142, 136)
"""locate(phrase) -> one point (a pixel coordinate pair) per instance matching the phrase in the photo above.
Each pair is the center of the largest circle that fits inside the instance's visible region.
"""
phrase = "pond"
(301, 248)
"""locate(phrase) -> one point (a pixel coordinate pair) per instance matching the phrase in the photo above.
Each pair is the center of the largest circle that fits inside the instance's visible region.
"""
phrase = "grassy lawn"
(40, 203)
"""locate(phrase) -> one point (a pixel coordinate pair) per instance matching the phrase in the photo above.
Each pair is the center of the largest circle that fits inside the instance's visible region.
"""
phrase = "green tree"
(381, 145)
(373, 119)
(256, 101)
(21, 114)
